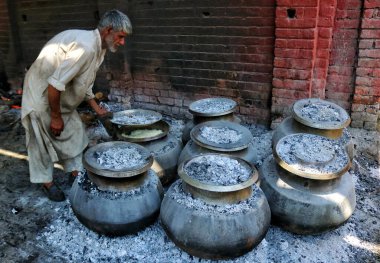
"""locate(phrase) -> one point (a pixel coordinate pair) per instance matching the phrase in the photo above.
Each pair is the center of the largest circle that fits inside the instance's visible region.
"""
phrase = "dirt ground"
(34, 229)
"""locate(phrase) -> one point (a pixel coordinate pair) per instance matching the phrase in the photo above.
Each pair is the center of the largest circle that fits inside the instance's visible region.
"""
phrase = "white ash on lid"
(136, 117)
(217, 170)
(220, 135)
(311, 155)
(212, 106)
(120, 158)
(187, 199)
(320, 114)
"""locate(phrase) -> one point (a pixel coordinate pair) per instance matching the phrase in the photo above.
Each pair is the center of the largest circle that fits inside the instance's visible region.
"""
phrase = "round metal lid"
(153, 132)
(222, 136)
(311, 156)
(136, 118)
(212, 107)
(117, 159)
(218, 173)
(320, 114)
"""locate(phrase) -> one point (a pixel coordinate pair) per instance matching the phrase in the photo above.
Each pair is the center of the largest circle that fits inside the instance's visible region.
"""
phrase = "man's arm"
(99, 110)
(56, 123)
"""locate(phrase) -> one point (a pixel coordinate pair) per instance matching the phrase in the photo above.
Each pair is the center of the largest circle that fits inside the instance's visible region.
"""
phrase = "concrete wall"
(265, 54)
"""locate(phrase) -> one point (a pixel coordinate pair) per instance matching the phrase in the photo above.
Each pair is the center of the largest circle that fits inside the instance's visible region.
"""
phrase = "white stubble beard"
(110, 44)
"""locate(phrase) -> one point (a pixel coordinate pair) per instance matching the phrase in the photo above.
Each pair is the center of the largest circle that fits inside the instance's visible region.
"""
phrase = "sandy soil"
(34, 229)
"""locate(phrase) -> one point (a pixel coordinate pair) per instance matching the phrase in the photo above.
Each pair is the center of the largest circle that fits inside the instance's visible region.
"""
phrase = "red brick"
(325, 32)
(347, 4)
(340, 96)
(321, 63)
(295, 23)
(291, 84)
(324, 43)
(327, 11)
(320, 73)
(367, 33)
(292, 63)
(294, 53)
(348, 23)
(371, 23)
(369, 63)
(294, 43)
(333, 78)
(291, 74)
(295, 33)
(341, 70)
(368, 72)
(369, 53)
(291, 3)
(289, 94)
(323, 53)
(371, 4)
(339, 87)
(359, 99)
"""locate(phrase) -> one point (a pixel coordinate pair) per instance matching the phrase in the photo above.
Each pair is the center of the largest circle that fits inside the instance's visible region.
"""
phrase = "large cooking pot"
(303, 205)
(215, 221)
(319, 117)
(117, 197)
(243, 147)
(210, 109)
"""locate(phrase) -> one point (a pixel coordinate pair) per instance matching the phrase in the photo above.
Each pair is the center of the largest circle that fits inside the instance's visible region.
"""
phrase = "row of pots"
(193, 213)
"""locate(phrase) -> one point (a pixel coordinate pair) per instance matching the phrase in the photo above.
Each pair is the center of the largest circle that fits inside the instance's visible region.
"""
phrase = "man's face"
(114, 39)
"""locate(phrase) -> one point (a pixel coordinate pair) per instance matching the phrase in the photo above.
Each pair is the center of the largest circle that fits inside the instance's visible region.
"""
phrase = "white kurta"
(68, 62)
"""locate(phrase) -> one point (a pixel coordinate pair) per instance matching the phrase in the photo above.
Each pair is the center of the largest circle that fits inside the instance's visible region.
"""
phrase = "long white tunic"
(69, 62)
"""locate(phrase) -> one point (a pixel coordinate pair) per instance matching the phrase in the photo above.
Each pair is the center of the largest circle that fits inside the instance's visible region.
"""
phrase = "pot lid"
(136, 117)
(152, 132)
(117, 159)
(222, 136)
(211, 107)
(218, 173)
(320, 114)
(311, 156)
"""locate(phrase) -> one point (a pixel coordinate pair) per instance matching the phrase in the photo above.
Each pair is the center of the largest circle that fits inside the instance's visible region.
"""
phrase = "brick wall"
(35, 22)
(186, 50)
(343, 59)
(302, 52)
(7, 49)
(365, 106)
(265, 54)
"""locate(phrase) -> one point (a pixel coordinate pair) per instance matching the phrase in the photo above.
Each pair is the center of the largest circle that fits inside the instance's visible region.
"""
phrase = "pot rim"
(218, 188)
(194, 104)
(90, 164)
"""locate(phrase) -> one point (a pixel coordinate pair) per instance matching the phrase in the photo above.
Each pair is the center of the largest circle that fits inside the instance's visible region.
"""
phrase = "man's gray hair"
(117, 20)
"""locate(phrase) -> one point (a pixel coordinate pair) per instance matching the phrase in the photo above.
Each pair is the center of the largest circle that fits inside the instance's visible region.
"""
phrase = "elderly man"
(56, 83)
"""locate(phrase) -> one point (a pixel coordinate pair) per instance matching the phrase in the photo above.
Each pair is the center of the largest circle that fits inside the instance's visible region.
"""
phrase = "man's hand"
(56, 124)
(100, 111)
